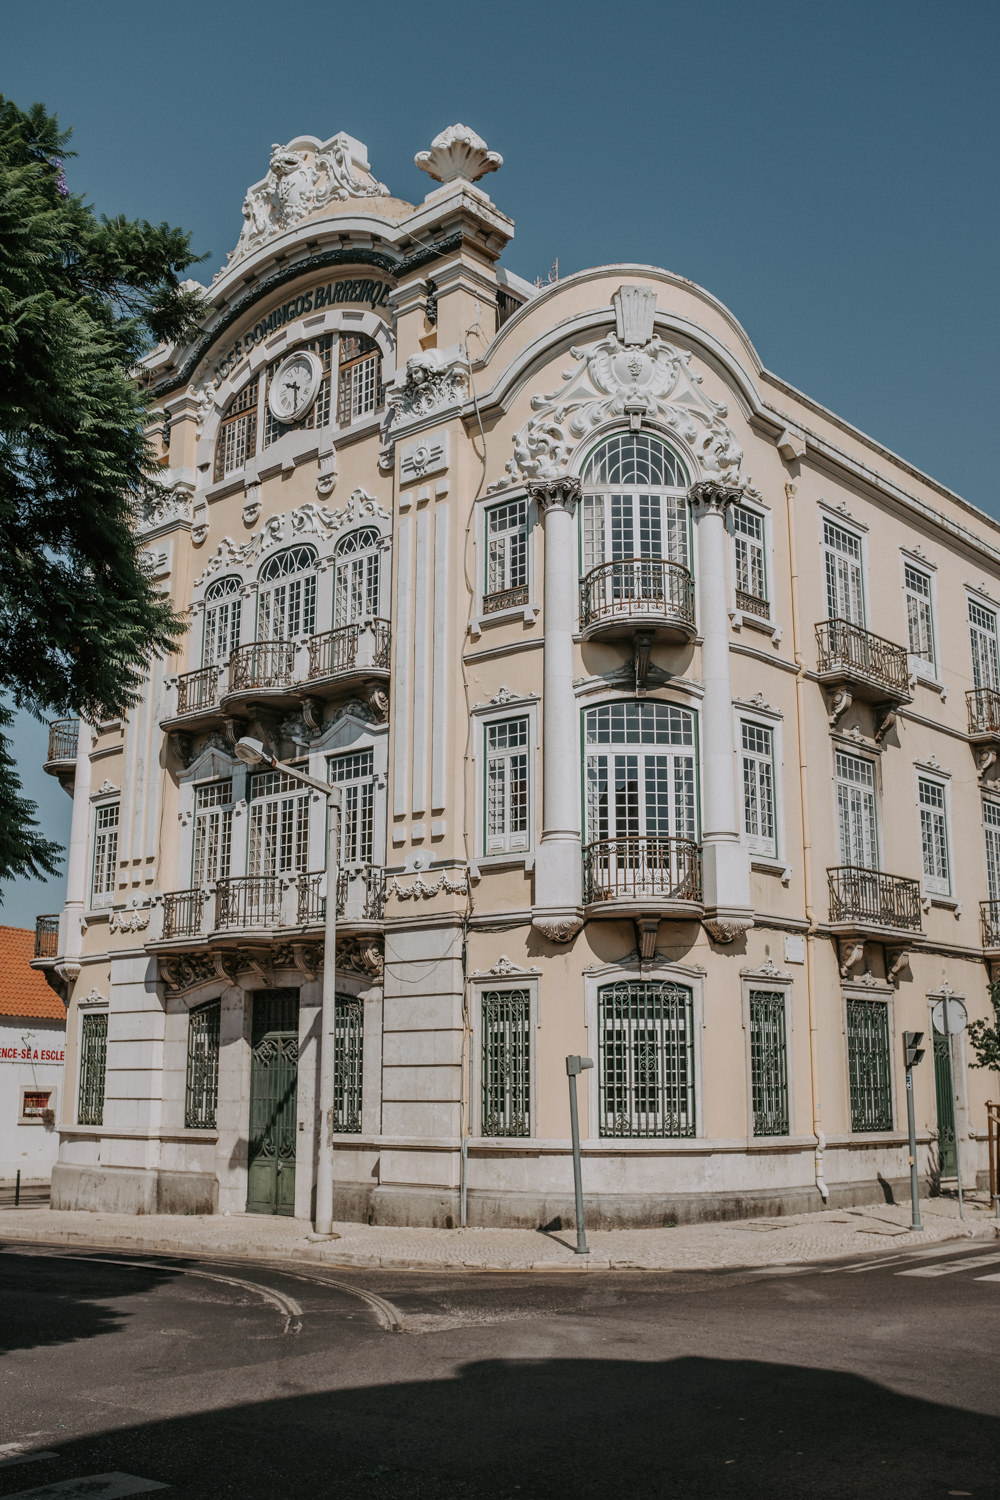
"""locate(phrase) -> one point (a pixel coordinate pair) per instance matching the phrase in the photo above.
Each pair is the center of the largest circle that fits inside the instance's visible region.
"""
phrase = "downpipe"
(820, 1180)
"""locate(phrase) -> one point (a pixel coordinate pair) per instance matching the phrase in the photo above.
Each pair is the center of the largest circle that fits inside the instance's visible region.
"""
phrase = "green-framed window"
(869, 1065)
(93, 1066)
(646, 1059)
(506, 1062)
(769, 1062)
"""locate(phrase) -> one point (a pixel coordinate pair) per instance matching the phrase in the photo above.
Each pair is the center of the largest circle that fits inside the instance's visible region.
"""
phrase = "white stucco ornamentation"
(129, 921)
(163, 505)
(431, 380)
(420, 888)
(611, 379)
(303, 177)
(296, 525)
(503, 969)
(458, 152)
(418, 460)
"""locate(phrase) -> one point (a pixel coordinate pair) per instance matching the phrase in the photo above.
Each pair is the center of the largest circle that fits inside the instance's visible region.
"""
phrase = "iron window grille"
(768, 1062)
(201, 1094)
(646, 1063)
(758, 788)
(506, 556)
(868, 1065)
(506, 1062)
(93, 1066)
(348, 1064)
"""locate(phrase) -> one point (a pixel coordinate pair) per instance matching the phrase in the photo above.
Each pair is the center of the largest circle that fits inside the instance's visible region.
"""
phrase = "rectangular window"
(768, 1062)
(646, 1060)
(506, 1062)
(991, 828)
(348, 1064)
(748, 559)
(857, 826)
(93, 1063)
(360, 379)
(279, 825)
(868, 1064)
(758, 789)
(506, 556)
(213, 832)
(507, 799)
(356, 774)
(617, 528)
(934, 836)
(105, 853)
(983, 633)
(202, 1087)
(919, 614)
(844, 592)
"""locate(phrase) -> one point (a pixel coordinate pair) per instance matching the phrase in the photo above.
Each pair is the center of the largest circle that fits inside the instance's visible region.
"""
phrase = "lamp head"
(251, 751)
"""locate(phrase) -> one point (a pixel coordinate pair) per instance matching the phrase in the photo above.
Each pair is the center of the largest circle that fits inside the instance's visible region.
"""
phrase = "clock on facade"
(293, 386)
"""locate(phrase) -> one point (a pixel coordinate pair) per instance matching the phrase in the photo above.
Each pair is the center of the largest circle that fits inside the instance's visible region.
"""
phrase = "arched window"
(360, 388)
(222, 620)
(634, 502)
(286, 603)
(237, 439)
(642, 812)
(356, 585)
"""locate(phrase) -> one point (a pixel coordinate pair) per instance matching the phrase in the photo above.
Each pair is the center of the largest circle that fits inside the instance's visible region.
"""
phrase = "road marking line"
(290, 1310)
(986, 1278)
(21, 1453)
(927, 1252)
(106, 1486)
(969, 1264)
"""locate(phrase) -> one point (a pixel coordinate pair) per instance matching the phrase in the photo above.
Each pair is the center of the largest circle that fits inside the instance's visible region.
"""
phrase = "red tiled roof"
(24, 991)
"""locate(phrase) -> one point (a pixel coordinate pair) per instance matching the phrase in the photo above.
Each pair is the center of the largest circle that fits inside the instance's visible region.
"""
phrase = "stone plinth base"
(130, 1190)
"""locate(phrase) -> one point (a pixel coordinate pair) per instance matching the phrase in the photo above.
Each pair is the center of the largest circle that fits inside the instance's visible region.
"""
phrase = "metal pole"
(324, 1180)
(954, 1103)
(914, 1183)
(573, 1066)
(17, 1188)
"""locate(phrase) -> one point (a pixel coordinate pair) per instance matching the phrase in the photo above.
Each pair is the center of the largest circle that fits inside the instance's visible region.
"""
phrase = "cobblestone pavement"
(799, 1238)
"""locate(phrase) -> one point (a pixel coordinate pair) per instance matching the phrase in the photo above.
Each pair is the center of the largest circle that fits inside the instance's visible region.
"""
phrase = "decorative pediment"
(302, 178)
(296, 525)
(652, 381)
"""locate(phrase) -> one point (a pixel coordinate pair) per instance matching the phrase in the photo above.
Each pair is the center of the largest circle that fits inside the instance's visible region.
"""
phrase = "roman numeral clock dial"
(293, 387)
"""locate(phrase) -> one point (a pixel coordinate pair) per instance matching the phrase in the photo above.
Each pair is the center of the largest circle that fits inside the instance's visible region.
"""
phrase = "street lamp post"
(253, 753)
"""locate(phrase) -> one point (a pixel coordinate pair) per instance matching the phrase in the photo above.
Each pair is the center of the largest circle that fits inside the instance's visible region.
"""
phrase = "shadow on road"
(42, 1306)
(552, 1428)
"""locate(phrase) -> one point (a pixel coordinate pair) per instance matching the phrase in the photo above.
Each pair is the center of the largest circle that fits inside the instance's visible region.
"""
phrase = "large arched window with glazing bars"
(351, 385)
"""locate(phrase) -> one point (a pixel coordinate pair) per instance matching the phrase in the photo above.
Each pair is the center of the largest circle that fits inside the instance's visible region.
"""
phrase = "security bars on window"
(506, 1058)
(93, 1065)
(868, 1065)
(768, 1062)
(348, 1064)
(646, 1061)
(202, 1084)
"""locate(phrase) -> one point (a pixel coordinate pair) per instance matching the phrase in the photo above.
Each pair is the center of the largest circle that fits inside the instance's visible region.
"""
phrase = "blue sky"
(828, 171)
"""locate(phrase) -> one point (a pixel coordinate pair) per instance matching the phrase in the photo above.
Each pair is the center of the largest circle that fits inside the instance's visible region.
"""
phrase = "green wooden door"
(274, 1071)
(945, 1107)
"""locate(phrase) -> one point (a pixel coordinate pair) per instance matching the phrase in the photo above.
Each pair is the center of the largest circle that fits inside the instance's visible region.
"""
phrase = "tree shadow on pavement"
(509, 1429)
(41, 1306)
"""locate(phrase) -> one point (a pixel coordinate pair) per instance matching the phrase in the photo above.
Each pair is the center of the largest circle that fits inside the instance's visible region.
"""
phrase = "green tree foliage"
(984, 1039)
(82, 298)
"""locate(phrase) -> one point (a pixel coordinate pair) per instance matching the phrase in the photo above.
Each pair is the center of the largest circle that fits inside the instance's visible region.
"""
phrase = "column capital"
(715, 496)
(555, 494)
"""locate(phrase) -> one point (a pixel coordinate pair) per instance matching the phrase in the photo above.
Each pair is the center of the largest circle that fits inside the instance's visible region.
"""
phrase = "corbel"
(838, 701)
(642, 645)
(884, 715)
(646, 928)
(897, 959)
(852, 954)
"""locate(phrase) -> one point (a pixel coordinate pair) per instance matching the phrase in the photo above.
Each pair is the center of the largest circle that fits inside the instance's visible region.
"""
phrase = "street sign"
(949, 1017)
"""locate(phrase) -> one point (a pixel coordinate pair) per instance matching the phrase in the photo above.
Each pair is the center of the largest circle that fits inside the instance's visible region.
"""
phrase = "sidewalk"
(800, 1238)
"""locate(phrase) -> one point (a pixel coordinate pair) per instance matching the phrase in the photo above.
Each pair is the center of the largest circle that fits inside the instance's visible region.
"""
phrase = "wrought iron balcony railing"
(984, 710)
(990, 917)
(872, 898)
(659, 869)
(360, 895)
(248, 901)
(751, 605)
(47, 937)
(637, 588)
(182, 913)
(197, 691)
(856, 652)
(64, 735)
(505, 599)
(350, 648)
(262, 664)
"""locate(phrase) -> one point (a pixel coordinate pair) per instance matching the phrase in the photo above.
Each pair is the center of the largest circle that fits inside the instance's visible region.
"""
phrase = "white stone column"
(71, 932)
(559, 861)
(725, 864)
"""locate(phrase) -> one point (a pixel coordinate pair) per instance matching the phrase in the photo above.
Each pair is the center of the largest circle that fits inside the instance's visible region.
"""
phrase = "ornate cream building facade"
(665, 708)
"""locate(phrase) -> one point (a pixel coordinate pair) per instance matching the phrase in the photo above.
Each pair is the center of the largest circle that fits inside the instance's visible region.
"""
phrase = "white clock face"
(293, 386)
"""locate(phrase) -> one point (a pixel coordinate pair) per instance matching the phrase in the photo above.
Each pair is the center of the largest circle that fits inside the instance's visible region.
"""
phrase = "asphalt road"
(124, 1374)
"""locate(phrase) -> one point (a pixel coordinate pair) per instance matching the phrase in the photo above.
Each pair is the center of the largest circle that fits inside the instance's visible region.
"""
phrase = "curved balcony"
(60, 759)
(261, 671)
(989, 912)
(871, 903)
(351, 654)
(626, 876)
(983, 705)
(197, 700)
(247, 902)
(638, 593)
(855, 663)
(360, 896)
(47, 937)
